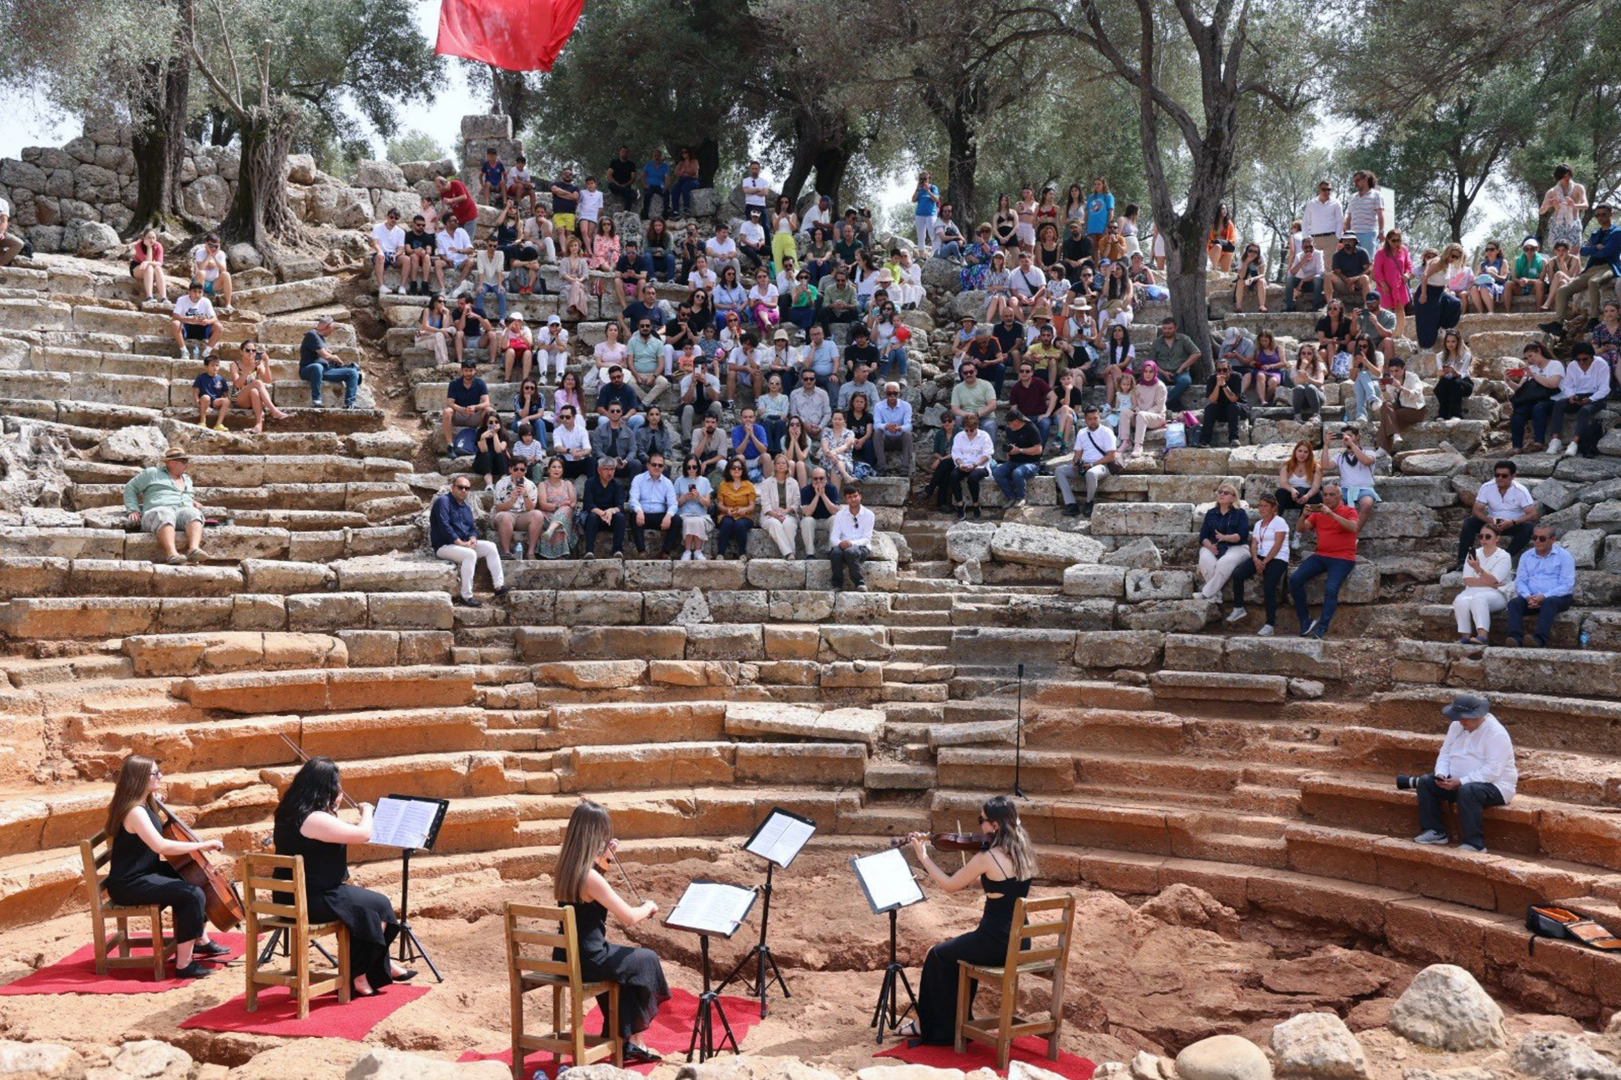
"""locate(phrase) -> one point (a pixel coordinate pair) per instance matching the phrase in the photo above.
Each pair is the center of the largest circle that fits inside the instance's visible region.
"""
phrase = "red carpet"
(670, 1034)
(278, 1014)
(977, 1056)
(76, 974)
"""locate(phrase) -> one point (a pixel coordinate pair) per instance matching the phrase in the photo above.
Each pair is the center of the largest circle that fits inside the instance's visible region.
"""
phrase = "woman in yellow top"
(735, 501)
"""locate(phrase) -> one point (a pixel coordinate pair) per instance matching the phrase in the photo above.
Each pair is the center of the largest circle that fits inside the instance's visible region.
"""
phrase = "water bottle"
(517, 551)
(1585, 635)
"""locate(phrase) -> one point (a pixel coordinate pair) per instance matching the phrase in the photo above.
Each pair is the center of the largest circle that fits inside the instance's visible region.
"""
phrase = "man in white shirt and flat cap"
(1474, 769)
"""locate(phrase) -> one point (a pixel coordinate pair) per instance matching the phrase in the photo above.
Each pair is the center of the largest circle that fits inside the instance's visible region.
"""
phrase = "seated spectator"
(11, 245)
(652, 505)
(858, 386)
(1401, 405)
(1336, 526)
(1251, 278)
(839, 451)
(1348, 269)
(972, 454)
(145, 261)
(435, 330)
(658, 250)
(749, 444)
(473, 330)
(490, 269)
(387, 241)
(948, 235)
(1366, 374)
(527, 450)
(1452, 384)
(735, 502)
(210, 391)
(772, 408)
(616, 392)
(779, 506)
(520, 184)
(1224, 393)
(1299, 479)
(490, 459)
(602, 507)
(1377, 323)
(892, 422)
(416, 260)
(1268, 556)
(850, 541)
(467, 403)
(655, 436)
(1306, 270)
(1507, 506)
(1526, 275)
(161, 500)
(1175, 353)
(818, 501)
(751, 241)
(1224, 544)
(453, 250)
(1584, 390)
(615, 441)
(712, 447)
(1306, 395)
(1336, 335)
(251, 384)
(572, 443)
(1488, 582)
(517, 506)
(1029, 394)
(700, 397)
(656, 182)
(940, 467)
(318, 364)
(519, 350)
(194, 324)
(1490, 277)
(649, 363)
(529, 408)
(1095, 457)
(492, 177)
(208, 265)
(1475, 769)
(974, 397)
(1355, 466)
(692, 498)
(1532, 389)
(811, 405)
(1545, 583)
(453, 535)
(622, 178)
(1142, 409)
(721, 251)
(1023, 449)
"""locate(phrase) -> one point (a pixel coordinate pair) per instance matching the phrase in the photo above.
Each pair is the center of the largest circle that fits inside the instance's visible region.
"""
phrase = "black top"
(863, 354)
(621, 171)
(326, 865)
(131, 858)
(1000, 897)
(600, 496)
(1010, 336)
(1024, 438)
(309, 350)
(591, 929)
(1233, 522)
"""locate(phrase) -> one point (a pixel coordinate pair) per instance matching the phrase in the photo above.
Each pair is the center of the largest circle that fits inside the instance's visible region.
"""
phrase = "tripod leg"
(776, 973)
(726, 1026)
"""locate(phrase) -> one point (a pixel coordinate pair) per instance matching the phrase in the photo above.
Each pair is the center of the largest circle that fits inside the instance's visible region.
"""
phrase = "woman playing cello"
(138, 874)
(1004, 869)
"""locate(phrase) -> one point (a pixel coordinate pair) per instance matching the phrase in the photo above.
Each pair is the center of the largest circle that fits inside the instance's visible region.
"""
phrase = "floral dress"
(977, 261)
(557, 533)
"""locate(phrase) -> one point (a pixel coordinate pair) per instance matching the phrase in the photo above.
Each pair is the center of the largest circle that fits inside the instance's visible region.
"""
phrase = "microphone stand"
(1018, 738)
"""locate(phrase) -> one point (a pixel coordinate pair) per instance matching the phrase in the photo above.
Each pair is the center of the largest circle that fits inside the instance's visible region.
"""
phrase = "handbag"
(1557, 922)
(1176, 435)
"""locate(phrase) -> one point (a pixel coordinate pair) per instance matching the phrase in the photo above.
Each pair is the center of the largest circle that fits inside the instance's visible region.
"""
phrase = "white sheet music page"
(780, 838)
(711, 907)
(887, 878)
(402, 823)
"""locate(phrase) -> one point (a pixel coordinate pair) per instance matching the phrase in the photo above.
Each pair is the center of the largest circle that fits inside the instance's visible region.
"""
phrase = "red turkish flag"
(518, 35)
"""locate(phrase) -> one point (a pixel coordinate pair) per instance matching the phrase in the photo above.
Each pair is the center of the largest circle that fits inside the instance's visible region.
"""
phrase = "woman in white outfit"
(1223, 544)
(1488, 579)
(779, 507)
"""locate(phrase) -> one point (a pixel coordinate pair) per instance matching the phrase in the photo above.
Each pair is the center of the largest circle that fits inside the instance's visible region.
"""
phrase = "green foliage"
(82, 54)
(414, 145)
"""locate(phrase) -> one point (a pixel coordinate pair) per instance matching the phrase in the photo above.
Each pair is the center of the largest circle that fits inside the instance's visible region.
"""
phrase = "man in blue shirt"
(453, 534)
(656, 181)
(749, 438)
(318, 364)
(616, 392)
(467, 401)
(893, 420)
(652, 506)
(1545, 583)
(927, 199)
(212, 392)
(1603, 254)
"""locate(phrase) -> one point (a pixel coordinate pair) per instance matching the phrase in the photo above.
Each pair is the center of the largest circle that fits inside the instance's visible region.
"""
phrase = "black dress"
(985, 944)
(368, 915)
(640, 976)
(138, 875)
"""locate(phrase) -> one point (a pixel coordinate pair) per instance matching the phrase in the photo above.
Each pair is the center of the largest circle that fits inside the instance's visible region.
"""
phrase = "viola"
(946, 841)
(223, 904)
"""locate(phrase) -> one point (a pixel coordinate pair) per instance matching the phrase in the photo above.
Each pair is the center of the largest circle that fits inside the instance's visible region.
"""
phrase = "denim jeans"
(1471, 799)
(1552, 607)
(1179, 386)
(1314, 565)
(1011, 478)
(500, 295)
(892, 364)
(948, 250)
(1367, 393)
(1292, 292)
(1538, 413)
(320, 371)
(648, 194)
(681, 194)
(776, 427)
(1044, 428)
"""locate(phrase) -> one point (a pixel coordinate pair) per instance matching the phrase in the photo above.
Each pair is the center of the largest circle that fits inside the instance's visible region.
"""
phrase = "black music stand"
(887, 882)
(410, 823)
(780, 837)
(709, 908)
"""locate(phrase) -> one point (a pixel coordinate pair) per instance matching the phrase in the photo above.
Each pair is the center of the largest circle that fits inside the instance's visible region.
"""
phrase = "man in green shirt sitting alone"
(160, 498)
(1176, 354)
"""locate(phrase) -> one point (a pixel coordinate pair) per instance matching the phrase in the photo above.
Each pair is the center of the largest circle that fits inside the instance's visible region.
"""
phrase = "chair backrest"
(530, 943)
(261, 887)
(96, 853)
(1047, 926)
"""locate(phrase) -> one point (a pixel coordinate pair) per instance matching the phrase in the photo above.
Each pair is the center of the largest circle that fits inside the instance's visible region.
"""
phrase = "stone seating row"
(226, 543)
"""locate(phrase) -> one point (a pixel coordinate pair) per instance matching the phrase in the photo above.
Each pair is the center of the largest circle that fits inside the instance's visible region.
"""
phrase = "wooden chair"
(96, 853)
(530, 967)
(1033, 922)
(260, 888)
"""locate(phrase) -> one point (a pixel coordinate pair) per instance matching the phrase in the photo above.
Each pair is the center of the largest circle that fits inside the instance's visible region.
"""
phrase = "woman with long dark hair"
(137, 873)
(307, 824)
(1004, 870)
(580, 882)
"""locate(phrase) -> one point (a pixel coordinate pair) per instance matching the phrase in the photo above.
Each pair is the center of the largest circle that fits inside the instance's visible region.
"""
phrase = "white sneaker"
(1555, 445)
(1238, 615)
(1570, 451)
(700, 556)
(1432, 837)
(686, 556)
(1265, 631)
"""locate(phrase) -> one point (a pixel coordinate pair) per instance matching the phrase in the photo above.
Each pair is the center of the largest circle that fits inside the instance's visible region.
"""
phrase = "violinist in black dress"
(307, 824)
(137, 872)
(1004, 870)
(579, 883)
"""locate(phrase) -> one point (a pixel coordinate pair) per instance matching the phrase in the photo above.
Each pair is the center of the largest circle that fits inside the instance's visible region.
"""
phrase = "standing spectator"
(145, 262)
(517, 506)
(1348, 270)
(1452, 383)
(653, 506)
(784, 223)
(318, 364)
(1099, 210)
(971, 455)
(1585, 389)
(1531, 393)
(1392, 269)
(210, 391)
(1564, 203)
(565, 202)
(208, 265)
(1095, 458)
(1526, 275)
(588, 211)
(926, 210)
(1336, 526)
(1224, 544)
(1434, 301)
(1488, 582)
(194, 321)
(1365, 213)
(1224, 393)
(1506, 505)
(161, 500)
(387, 238)
(602, 506)
(849, 541)
(656, 181)
(735, 502)
(1322, 218)
(1544, 583)
(1023, 449)
(458, 202)
(467, 402)
(686, 181)
(1474, 769)
(692, 497)
(1603, 254)
(622, 179)
(1401, 405)
(1268, 556)
(453, 534)
(755, 189)
(893, 422)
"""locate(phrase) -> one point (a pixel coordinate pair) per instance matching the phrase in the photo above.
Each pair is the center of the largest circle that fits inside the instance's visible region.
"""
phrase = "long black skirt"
(164, 886)
(642, 988)
(937, 990)
(372, 928)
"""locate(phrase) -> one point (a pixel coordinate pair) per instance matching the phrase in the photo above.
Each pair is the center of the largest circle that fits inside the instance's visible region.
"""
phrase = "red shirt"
(1334, 542)
(465, 210)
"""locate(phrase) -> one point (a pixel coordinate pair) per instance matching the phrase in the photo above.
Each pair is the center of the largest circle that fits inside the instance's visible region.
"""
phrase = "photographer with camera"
(1474, 769)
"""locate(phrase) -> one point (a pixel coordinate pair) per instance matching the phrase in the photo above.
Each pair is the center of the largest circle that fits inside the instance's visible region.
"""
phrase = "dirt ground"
(1168, 972)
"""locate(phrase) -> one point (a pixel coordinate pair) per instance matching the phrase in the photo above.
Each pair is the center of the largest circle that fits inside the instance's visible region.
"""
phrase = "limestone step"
(330, 691)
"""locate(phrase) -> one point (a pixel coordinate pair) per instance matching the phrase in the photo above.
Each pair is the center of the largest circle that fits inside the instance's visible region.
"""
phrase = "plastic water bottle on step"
(517, 551)
(1585, 636)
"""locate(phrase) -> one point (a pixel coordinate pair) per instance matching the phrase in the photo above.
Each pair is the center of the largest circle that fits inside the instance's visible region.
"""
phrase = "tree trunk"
(159, 145)
(831, 165)
(707, 154)
(806, 145)
(510, 91)
(260, 214)
(961, 164)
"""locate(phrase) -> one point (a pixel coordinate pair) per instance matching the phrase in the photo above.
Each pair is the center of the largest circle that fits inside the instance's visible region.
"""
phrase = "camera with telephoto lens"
(1408, 783)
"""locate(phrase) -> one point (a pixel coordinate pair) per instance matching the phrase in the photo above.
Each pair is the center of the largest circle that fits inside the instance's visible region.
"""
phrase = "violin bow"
(305, 758)
(634, 891)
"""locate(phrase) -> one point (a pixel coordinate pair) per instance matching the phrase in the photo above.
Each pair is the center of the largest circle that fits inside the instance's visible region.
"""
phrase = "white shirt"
(719, 249)
(766, 296)
(590, 205)
(1500, 565)
(452, 246)
(1311, 268)
(1265, 533)
(855, 528)
(754, 190)
(504, 490)
(553, 339)
(5, 208)
(1482, 756)
(701, 280)
(1506, 505)
(969, 452)
(1594, 382)
(751, 231)
(571, 438)
(184, 308)
(209, 265)
(491, 265)
(1027, 286)
(813, 217)
(1095, 445)
(607, 355)
(388, 240)
(1320, 218)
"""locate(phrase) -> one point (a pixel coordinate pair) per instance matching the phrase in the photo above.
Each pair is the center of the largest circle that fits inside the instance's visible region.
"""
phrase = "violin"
(220, 898)
(946, 841)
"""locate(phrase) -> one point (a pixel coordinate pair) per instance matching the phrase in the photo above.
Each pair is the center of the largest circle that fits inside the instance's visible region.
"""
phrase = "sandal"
(641, 1055)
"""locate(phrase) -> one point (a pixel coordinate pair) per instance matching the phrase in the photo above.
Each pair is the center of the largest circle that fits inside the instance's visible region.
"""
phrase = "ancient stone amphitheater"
(1160, 747)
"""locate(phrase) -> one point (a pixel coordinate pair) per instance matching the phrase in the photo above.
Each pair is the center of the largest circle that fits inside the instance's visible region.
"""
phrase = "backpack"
(1557, 922)
(465, 443)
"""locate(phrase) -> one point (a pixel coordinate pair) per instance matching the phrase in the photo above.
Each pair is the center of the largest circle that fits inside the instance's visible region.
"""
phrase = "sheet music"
(712, 908)
(780, 838)
(403, 823)
(887, 879)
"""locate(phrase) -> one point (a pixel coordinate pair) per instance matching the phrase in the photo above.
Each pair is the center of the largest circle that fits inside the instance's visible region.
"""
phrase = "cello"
(221, 900)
